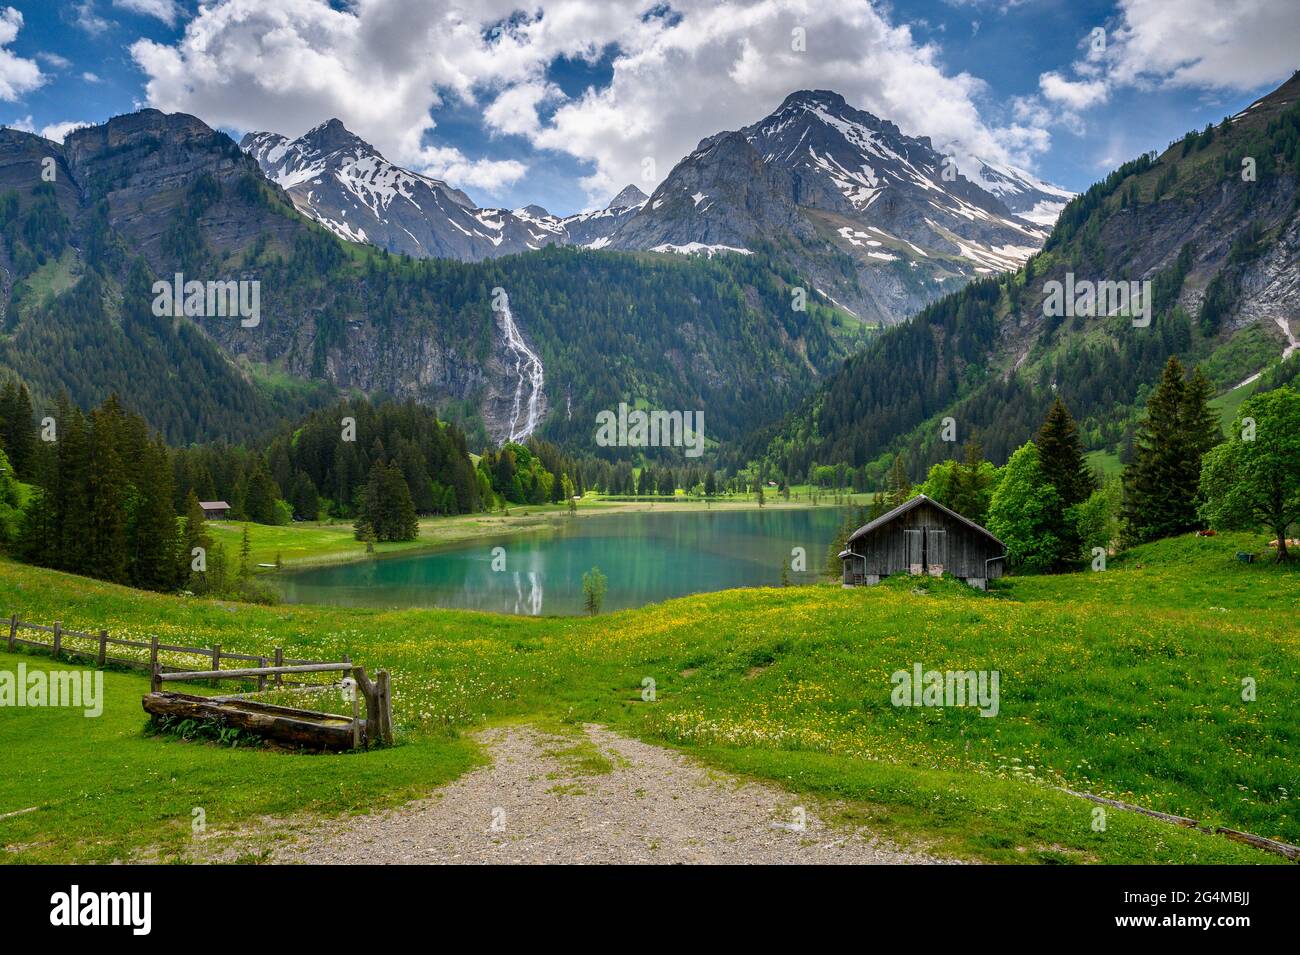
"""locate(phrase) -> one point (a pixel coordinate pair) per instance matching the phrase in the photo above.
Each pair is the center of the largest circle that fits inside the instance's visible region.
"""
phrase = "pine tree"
(153, 565)
(259, 504)
(17, 433)
(900, 487)
(245, 557)
(1060, 456)
(1200, 420)
(111, 498)
(195, 536)
(1062, 466)
(1160, 484)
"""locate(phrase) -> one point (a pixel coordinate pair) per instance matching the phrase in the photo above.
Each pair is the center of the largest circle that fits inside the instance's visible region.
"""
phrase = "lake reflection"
(646, 557)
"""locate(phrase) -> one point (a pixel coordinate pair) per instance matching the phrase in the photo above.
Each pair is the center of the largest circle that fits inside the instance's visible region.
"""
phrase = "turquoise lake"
(646, 557)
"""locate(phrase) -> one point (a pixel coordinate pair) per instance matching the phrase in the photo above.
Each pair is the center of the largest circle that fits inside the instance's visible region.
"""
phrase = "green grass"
(1125, 683)
(104, 791)
(1228, 403)
(1107, 462)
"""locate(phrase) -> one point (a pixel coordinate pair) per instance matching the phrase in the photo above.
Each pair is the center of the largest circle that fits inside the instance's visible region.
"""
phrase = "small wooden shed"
(922, 537)
(215, 510)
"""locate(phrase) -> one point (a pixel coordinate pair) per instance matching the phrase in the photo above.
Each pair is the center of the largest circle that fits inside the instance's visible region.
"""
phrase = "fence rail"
(101, 642)
(376, 693)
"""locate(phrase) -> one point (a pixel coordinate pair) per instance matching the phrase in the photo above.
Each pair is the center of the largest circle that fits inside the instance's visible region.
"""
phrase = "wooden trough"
(308, 729)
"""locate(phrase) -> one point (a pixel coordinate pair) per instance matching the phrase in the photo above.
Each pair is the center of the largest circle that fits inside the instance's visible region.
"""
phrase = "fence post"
(155, 682)
(385, 700)
(153, 654)
(58, 639)
(216, 660)
(103, 648)
(13, 631)
(279, 661)
(261, 677)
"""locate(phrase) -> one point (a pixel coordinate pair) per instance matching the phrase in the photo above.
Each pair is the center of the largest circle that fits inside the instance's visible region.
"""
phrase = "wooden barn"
(215, 510)
(922, 537)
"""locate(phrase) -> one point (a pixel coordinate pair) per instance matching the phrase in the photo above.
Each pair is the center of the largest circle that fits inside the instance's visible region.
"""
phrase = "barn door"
(936, 550)
(913, 542)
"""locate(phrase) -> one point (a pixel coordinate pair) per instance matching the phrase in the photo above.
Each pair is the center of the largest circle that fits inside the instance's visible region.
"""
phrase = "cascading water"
(528, 368)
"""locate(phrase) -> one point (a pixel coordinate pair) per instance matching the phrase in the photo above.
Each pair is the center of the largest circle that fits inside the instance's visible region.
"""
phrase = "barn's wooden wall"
(884, 550)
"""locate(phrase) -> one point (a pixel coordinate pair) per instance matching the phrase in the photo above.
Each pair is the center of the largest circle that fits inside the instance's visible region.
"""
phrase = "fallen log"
(308, 729)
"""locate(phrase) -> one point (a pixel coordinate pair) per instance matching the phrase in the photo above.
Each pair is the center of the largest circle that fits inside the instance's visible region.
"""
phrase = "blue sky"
(564, 105)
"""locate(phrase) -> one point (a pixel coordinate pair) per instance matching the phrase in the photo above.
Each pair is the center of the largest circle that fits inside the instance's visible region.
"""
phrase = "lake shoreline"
(443, 533)
(648, 554)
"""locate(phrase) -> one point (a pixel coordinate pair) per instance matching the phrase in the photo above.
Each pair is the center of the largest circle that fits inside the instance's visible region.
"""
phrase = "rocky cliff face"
(877, 220)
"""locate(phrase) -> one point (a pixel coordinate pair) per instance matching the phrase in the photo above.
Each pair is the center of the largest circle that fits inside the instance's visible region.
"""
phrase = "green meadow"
(1127, 683)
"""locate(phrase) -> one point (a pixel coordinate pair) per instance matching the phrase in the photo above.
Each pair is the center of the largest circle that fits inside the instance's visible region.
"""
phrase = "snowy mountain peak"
(346, 184)
(629, 197)
(1021, 191)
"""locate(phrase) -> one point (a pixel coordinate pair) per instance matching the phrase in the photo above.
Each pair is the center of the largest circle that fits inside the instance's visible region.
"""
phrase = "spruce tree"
(73, 507)
(1199, 419)
(900, 487)
(17, 431)
(1159, 484)
(155, 532)
(1062, 466)
(112, 500)
(195, 536)
(1060, 456)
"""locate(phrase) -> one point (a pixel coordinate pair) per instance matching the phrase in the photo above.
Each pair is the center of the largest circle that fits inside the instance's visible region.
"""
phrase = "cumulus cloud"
(1223, 44)
(380, 66)
(1237, 45)
(679, 74)
(1076, 94)
(17, 75)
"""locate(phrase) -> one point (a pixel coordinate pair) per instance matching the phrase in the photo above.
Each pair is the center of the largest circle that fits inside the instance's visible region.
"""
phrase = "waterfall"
(528, 368)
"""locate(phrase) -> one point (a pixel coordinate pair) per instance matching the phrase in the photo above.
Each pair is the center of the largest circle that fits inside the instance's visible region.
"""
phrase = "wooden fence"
(269, 672)
(96, 647)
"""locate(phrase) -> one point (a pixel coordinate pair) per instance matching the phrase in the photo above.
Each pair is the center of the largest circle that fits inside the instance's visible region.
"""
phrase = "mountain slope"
(1222, 253)
(868, 214)
(560, 333)
(873, 218)
(347, 186)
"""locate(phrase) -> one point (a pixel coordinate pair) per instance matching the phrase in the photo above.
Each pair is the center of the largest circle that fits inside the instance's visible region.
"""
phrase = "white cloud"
(1076, 94)
(91, 77)
(382, 65)
(450, 164)
(1237, 45)
(1221, 44)
(54, 131)
(59, 131)
(88, 18)
(164, 10)
(515, 110)
(378, 65)
(54, 60)
(17, 75)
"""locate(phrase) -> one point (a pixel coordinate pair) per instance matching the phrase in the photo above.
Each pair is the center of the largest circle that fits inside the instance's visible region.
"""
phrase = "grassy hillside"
(1125, 683)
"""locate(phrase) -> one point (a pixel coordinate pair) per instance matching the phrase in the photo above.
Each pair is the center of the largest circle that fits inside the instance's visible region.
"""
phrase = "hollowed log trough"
(306, 729)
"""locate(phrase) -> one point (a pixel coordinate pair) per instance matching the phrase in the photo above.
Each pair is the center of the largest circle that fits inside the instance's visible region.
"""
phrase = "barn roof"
(214, 505)
(909, 505)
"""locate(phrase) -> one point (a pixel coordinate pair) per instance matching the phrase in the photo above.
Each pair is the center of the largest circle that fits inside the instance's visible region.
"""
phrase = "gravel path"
(590, 798)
